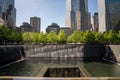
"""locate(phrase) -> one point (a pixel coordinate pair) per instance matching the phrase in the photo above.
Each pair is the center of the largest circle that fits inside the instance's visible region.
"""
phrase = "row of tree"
(52, 37)
(7, 37)
(78, 36)
(89, 37)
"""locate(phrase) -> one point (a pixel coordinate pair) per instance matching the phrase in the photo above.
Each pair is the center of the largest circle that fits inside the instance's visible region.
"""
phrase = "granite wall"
(65, 51)
(13, 53)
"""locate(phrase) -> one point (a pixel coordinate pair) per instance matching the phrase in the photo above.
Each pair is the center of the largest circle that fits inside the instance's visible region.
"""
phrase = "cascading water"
(10, 54)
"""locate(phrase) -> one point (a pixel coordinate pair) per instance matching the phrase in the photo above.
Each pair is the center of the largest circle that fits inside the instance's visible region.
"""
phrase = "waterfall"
(10, 54)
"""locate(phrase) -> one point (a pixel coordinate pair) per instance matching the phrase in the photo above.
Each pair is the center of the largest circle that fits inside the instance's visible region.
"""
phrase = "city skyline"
(77, 14)
(8, 13)
(50, 11)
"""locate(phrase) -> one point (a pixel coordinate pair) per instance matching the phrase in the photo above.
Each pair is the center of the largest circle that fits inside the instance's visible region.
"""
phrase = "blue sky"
(48, 10)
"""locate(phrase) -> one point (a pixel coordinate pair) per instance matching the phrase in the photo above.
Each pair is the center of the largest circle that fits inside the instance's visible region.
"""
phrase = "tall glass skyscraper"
(77, 14)
(1, 5)
(8, 12)
(109, 15)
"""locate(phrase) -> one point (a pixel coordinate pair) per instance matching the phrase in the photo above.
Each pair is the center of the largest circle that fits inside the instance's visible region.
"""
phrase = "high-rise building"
(26, 27)
(95, 22)
(53, 27)
(109, 15)
(77, 14)
(8, 12)
(1, 21)
(35, 22)
(68, 31)
(89, 21)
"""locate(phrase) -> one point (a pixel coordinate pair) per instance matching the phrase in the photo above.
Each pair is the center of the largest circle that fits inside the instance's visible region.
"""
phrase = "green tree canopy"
(62, 38)
(42, 38)
(16, 36)
(4, 34)
(34, 37)
(76, 37)
(69, 39)
(27, 37)
(111, 37)
(89, 37)
(52, 37)
(100, 38)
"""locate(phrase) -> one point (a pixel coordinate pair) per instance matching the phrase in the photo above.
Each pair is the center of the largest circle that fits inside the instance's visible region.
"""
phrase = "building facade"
(95, 22)
(53, 27)
(35, 22)
(77, 14)
(26, 27)
(1, 21)
(8, 13)
(109, 15)
(68, 31)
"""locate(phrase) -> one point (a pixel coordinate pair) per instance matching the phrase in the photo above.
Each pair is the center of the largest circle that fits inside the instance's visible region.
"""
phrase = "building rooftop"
(26, 24)
(96, 13)
(65, 28)
(55, 25)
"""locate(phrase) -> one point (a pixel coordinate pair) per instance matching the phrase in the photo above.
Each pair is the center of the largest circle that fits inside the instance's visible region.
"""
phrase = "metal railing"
(41, 78)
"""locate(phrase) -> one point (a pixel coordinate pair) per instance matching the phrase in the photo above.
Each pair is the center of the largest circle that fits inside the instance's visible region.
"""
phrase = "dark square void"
(63, 72)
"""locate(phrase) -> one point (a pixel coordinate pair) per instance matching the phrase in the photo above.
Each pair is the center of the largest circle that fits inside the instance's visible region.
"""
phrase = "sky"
(50, 11)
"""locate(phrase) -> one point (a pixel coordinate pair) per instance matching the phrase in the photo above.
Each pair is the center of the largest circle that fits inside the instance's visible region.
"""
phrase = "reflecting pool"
(33, 67)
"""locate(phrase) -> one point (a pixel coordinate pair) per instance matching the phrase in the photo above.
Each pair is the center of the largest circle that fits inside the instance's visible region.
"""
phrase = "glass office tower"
(8, 12)
(1, 5)
(77, 14)
(5, 4)
(109, 15)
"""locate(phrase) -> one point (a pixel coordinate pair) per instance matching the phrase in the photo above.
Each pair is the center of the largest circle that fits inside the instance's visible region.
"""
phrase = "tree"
(34, 37)
(99, 38)
(52, 37)
(16, 37)
(69, 39)
(62, 38)
(42, 38)
(111, 37)
(20, 38)
(89, 37)
(4, 34)
(76, 37)
(27, 37)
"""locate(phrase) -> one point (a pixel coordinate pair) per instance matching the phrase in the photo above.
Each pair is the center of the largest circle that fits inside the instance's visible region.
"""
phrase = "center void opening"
(64, 72)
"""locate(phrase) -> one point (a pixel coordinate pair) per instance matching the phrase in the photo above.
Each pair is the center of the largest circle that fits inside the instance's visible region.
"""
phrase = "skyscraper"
(26, 27)
(95, 22)
(53, 27)
(77, 14)
(109, 15)
(35, 22)
(8, 12)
